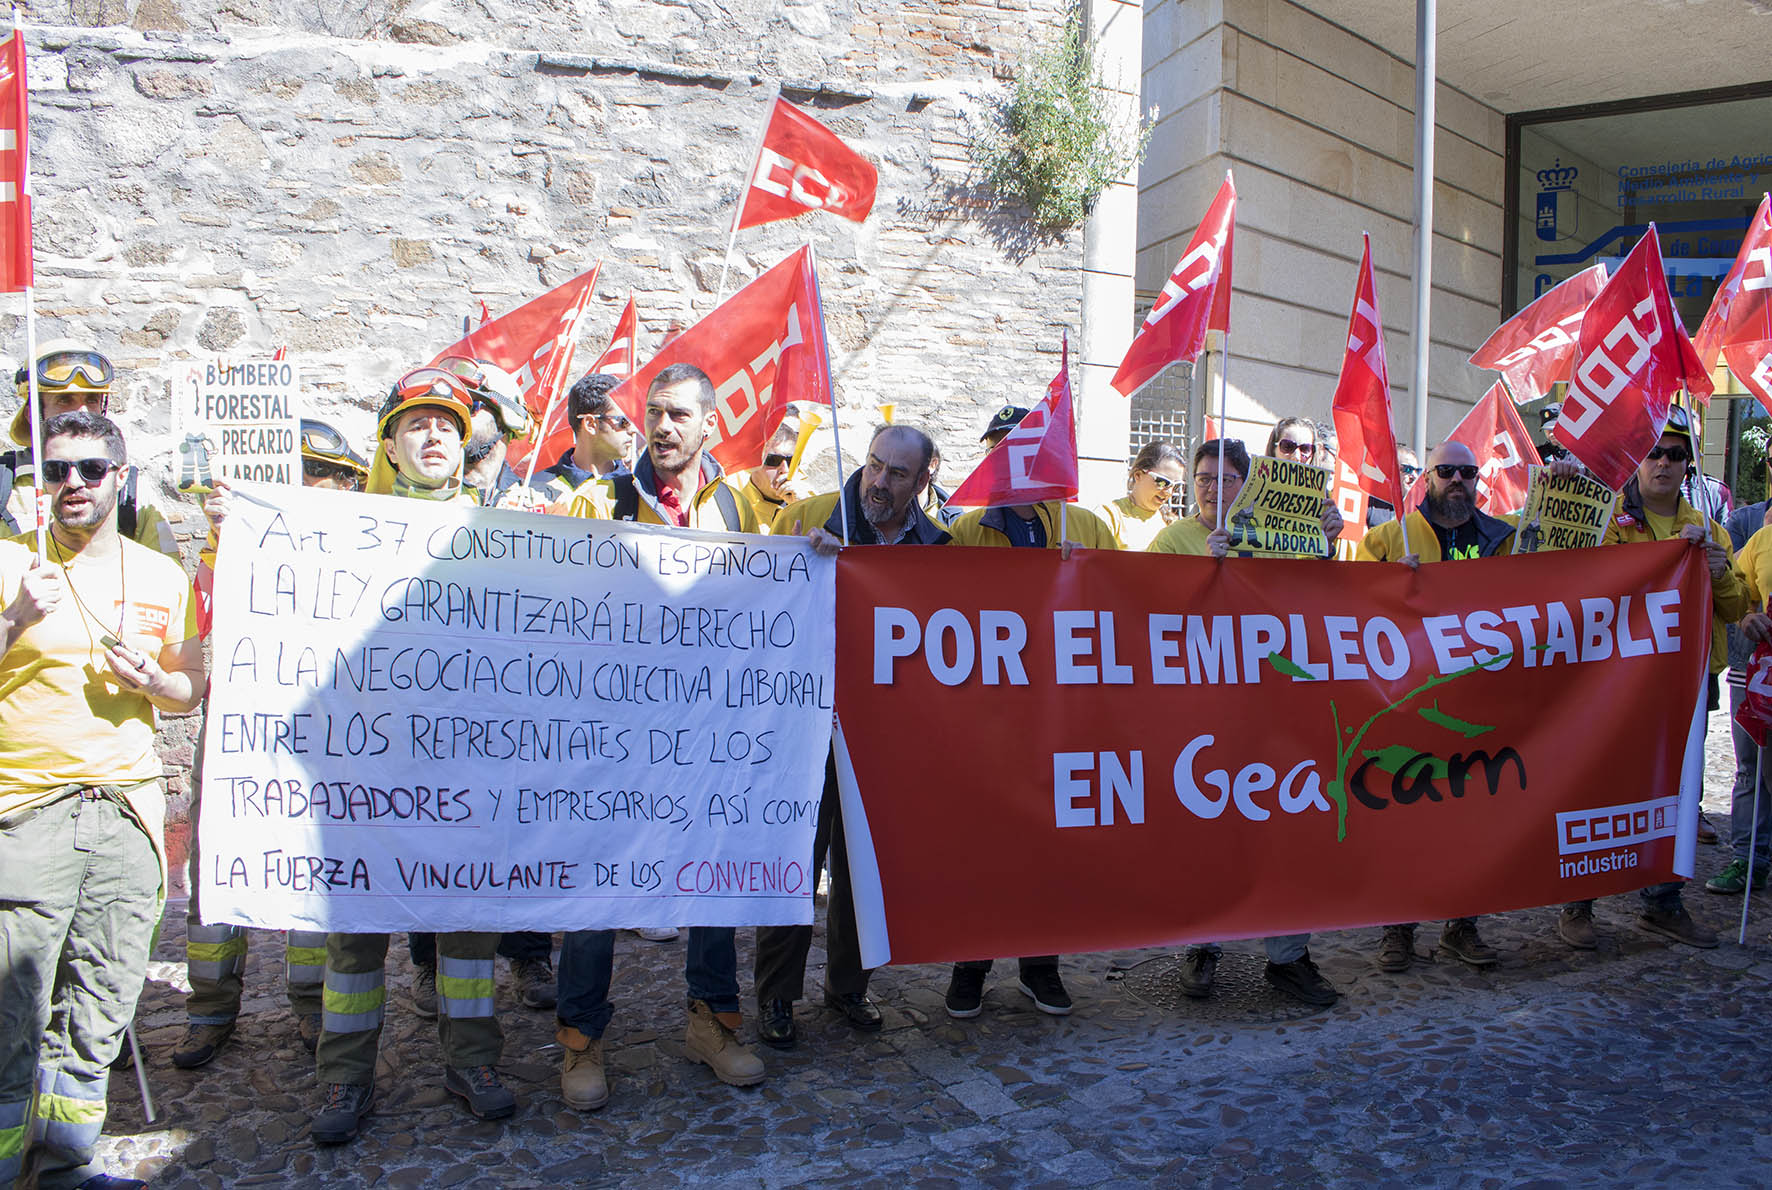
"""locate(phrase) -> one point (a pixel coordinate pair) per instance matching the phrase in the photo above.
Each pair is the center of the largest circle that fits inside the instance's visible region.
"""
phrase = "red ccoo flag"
(533, 342)
(803, 166)
(1532, 350)
(1498, 438)
(1632, 356)
(1739, 324)
(15, 167)
(557, 436)
(1195, 299)
(1366, 459)
(763, 347)
(1754, 716)
(1035, 461)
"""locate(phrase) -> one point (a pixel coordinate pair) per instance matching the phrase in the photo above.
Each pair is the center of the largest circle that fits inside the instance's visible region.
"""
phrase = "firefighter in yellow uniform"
(418, 455)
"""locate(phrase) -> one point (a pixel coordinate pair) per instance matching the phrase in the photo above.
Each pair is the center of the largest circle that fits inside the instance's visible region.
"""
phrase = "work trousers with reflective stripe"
(79, 898)
(356, 995)
(215, 958)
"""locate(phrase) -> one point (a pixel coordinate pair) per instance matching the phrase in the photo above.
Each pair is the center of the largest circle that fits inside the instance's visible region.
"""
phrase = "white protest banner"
(436, 716)
(237, 419)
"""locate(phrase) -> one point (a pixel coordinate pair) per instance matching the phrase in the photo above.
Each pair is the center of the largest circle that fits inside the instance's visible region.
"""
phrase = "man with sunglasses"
(1651, 508)
(72, 375)
(418, 455)
(602, 440)
(769, 487)
(1447, 527)
(92, 643)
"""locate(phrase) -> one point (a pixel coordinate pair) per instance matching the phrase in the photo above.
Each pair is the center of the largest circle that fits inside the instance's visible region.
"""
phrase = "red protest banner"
(1739, 323)
(1532, 350)
(1037, 460)
(1632, 356)
(803, 166)
(763, 348)
(1366, 442)
(1496, 435)
(1138, 749)
(15, 170)
(1195, 299)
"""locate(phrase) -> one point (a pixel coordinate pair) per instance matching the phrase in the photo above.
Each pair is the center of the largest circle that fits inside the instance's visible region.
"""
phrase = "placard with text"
(435, 716)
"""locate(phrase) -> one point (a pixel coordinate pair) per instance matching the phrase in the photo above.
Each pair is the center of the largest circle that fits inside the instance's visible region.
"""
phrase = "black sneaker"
(341, 1117)
(1043, 986)
(775, 1024)
(424, 990)
(479, 1088)
(535, 982)
(966, 992)
(1197, 969)
(1301, 980)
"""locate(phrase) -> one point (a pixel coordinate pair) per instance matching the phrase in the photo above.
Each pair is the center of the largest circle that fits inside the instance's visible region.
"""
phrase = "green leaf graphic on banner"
(1289, 667)
(1469, 731)
(1393, 758)
(1345, 750)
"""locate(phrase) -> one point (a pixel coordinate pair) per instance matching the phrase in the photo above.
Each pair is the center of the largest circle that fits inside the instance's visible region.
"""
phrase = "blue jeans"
(587, 963)
(1281, 948)
(1742, 833)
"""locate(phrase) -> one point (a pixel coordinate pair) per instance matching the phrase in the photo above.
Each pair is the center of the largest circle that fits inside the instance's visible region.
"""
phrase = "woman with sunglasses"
(1293, 438)
(1144, 511)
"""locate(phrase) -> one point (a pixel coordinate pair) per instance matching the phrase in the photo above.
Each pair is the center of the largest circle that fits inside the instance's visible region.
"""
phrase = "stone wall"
(348, 180)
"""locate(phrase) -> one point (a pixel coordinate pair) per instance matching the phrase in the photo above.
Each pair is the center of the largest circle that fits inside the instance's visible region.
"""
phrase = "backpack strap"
(627, 498)
(729, 508)
(8, 479)
(126, 508)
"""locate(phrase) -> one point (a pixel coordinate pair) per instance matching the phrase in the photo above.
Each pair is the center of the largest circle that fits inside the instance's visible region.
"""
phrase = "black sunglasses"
(777, 460)
(1461, 470)
(92, 471)
(1304, 449)
(1676, 452)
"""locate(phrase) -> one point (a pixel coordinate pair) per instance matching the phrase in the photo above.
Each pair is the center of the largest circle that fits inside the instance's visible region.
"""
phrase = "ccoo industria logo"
(1552, 184)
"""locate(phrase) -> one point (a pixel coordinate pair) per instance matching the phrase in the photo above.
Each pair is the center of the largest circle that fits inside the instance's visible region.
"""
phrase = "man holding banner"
(418, 454)
(1290, 967)
(1650, 508)
(1447, 527)
(884, 502)
(675, 482)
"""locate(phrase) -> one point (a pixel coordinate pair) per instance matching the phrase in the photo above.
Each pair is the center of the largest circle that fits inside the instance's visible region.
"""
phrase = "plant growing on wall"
(1055, 142)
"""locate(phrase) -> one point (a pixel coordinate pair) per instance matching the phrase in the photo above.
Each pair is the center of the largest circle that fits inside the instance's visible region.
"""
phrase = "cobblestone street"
(1641, 1064)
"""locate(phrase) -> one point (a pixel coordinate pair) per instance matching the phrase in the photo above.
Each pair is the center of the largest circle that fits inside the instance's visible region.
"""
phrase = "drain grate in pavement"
(1240, 990)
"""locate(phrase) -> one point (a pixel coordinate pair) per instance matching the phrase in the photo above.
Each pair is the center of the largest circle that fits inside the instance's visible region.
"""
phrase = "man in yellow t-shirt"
(93, 640)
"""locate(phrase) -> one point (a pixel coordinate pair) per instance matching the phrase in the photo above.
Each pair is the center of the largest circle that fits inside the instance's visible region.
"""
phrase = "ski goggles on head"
(324, 445)
(63, 369)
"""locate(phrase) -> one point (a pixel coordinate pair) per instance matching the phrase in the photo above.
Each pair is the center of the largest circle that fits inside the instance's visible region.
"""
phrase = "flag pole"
(1224, 397)
(1753, 843)
(738, 209)
(559, 375)
(836, 434)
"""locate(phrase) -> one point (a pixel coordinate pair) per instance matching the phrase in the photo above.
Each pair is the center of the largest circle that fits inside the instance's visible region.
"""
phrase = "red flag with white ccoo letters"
(1632, 356)
(1496, 435)
(1532, 350)
(557, 436)
(1037, 460)
(803, 166)
(1739, 324)
(15, 167)
(1195, 299)
(763, 347)
(1366, 442)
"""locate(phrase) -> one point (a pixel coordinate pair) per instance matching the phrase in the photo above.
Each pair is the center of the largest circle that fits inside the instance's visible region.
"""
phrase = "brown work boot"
(1460, 939)
(201, 1044)
(582, 1083)
(1397, 949)
(1575, 925)
(710, 1039)
(1677, 924)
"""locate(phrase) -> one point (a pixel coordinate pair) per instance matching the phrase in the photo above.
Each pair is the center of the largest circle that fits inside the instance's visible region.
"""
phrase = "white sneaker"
(658, 933)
